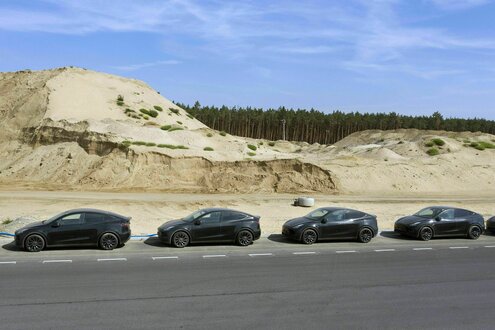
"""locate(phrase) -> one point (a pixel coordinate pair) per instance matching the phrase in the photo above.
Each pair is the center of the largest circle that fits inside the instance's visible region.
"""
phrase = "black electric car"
(438, 221)
(331, 223)
(211, 225)
(79, 227)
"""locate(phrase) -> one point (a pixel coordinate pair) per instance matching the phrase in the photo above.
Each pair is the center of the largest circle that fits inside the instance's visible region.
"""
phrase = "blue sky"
(409, 56)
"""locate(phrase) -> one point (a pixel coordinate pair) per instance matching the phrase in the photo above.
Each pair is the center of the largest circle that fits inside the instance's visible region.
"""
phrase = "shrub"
(146, 117)
(120, 98)
(400, 142)
(487, 145)
(190, 116)
(150, 144)
(222, 133)
(429, 144)
(153, 113)
(271, 144)
(139, 143)
(7, 221)
(171, 146)
(175, 129)
(208, 149)
(433, 152)
(209, 135)
(252, 147)
(251, 153)
(179, 122)
(126, 143)
(127, 110)
(467, 141)
(144, 111)
(438, 142)
(166, 127)
(176, 111)
(158, 108)
(261, 143)
(120, 103)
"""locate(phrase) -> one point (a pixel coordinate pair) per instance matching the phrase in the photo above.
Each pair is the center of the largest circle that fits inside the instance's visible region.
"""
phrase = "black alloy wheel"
(109, 241)
(245, 238)
(474, 232)
(309, 236)
(34, 243)
(180, 239)
(425, 234)
(365, 235)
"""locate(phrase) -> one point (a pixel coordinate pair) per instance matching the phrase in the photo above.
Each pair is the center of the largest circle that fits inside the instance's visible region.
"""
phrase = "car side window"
(448, 214)
(354, 215)
(94, 218)
(336, 215)
(229, 216)
(213, 217)
(462, 213)
(71, 219)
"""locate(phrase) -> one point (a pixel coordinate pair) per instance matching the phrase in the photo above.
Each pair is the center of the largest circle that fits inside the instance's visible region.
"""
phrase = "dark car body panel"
(457, 225)
(211, 231)
(82, 233)
(490, 225)
(343, 229)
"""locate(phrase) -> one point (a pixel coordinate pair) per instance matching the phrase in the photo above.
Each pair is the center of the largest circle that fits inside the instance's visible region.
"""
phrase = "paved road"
(389, 283)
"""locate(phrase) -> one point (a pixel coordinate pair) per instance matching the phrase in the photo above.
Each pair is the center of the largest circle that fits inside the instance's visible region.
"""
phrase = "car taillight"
(125, 225)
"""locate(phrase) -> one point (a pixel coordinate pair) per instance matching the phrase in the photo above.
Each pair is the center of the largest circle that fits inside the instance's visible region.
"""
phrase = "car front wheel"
(180, 239)
(425, 234)
(34, 243)
(474, 232)
(309, 236)
(109, 241)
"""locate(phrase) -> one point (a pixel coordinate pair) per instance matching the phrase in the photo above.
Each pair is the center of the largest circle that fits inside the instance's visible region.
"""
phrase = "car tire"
(474, 232)
(108, 241)
(245, 238)
(309, 236)
(180, 239)
(34, 243)
(365, 235)
(425, 234)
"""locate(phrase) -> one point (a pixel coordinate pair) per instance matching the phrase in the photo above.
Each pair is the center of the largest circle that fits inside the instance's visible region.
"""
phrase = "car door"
(462, 218)
(65, 230)
(230, 221)
(334, 225)
(92, 224)
(207, 228)
(445, 223)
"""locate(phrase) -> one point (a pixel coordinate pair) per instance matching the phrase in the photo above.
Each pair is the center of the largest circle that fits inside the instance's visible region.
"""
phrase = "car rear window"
(354, 215)
(95, 217)
(462, 213)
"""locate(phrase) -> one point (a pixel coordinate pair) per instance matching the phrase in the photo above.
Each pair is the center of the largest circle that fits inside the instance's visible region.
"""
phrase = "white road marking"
(56, 261)
(348, 251)
(260, 254)
(214, 256)
(7, 262)
(421, 249)
(458, 247)
(159, 258)
(385, 250)
(302, 253)
(112, 259)
(490, 246)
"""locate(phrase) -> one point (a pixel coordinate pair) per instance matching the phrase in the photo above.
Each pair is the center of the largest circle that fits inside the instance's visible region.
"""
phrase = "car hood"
(297, 221)
(171, 223)
(411, 219)
(32, 225)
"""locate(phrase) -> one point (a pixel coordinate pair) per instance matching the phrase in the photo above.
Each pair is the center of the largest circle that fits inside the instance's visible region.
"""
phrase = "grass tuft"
(176, 129)
(433, 152)
(252, 147)
(251, 153)
(158, 108)
(271, 144)
(166, 127)
(208, 149)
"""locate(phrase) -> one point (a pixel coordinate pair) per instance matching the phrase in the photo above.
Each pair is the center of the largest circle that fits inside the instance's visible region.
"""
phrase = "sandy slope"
(63, 129)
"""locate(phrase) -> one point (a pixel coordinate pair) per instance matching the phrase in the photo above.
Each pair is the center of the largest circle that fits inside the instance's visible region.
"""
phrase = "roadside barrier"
(6, 234)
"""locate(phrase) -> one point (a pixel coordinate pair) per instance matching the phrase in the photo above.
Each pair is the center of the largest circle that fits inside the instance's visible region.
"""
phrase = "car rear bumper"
(125, 237)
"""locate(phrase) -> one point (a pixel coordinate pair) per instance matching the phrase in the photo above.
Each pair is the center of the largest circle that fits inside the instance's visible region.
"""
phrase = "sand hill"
(77, 129)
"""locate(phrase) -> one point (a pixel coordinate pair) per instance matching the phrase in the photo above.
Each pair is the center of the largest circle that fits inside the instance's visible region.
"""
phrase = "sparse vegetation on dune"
(482, 145)
(209, 135)
(252, 147)
(433, 152)
(208, 149)
(176, 111)
(222, 133)
(175, 129)
(271, 144)
(158, 108)
(166, 127)
(171, 146)
(251, 153)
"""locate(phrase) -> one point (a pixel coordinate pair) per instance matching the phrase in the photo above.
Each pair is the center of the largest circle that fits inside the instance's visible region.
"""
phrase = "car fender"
(37, 233)
(187, 231)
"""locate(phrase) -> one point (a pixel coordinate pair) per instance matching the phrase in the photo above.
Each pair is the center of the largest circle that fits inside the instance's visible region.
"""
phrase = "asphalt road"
(390, 283)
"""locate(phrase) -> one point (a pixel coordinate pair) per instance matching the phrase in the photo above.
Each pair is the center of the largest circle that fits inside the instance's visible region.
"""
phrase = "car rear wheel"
(109, 241)
(245, 238)
(425, 234)
(180, 239)
(365, 235)
(309, 236)
(474, 232)
(34, 243)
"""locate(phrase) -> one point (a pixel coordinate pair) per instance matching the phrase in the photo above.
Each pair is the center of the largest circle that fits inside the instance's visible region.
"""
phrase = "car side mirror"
(438, 218)
(324, 220)
(55, 224)
(197, 222)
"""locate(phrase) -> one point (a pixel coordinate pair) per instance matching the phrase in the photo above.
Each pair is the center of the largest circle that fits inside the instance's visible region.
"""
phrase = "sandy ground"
(149, 210)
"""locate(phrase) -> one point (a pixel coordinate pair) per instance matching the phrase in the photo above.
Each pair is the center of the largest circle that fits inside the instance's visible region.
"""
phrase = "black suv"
(77, 227)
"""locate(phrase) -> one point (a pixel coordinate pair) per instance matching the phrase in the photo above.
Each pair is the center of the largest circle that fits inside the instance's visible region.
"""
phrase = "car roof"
(330, 208)
(90, 210)
(213, 209)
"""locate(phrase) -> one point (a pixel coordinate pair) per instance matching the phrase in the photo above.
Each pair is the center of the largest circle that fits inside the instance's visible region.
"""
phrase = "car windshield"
(194, 216)
(55, 217)
(317, 214)
(429, 212)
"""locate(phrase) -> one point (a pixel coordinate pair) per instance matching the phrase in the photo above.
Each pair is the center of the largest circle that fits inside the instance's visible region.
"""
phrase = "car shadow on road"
(11, 247)
(279, 238)
(394, 235)
(155, 242)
